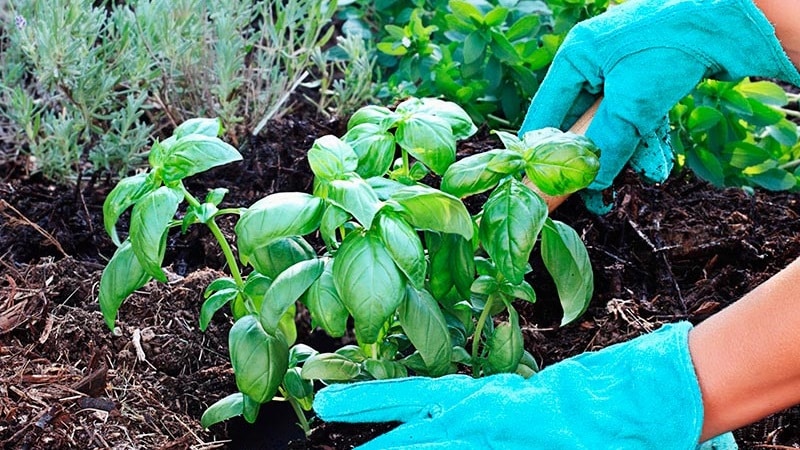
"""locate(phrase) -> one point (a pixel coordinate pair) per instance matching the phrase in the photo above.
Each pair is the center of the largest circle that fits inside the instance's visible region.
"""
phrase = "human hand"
(644, 56)
(642, 394)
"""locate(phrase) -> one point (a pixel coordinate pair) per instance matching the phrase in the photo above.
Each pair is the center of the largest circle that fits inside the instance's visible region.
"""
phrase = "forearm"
(785, 17)
(747, 357)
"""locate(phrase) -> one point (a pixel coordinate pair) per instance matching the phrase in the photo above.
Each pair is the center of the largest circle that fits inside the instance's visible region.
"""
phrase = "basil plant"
(419, 281)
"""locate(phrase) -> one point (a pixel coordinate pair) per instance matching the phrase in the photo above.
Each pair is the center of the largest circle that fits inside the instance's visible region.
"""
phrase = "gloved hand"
(642, 394)
(644, 56)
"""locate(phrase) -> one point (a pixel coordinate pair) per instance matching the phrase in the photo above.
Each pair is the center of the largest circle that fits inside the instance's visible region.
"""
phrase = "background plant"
(82, 82)
(422, 280)
(487, 56)
(738, 134)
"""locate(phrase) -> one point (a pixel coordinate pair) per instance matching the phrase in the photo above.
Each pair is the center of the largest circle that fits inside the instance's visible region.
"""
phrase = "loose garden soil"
(678, 251)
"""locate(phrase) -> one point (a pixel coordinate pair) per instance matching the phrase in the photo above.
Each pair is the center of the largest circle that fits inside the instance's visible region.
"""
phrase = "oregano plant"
(428, 287)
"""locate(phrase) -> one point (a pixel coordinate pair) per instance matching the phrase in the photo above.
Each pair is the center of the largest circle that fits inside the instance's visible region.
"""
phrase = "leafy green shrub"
(421, 278)
(737, 134)
(80, 80)
(487, 56)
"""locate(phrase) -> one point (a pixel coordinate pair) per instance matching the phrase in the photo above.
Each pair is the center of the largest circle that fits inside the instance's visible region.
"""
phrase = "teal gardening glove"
(642, 394)
(644, 56)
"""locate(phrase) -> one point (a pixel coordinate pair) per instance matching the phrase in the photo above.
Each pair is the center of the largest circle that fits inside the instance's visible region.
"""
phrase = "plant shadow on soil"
(678, 251)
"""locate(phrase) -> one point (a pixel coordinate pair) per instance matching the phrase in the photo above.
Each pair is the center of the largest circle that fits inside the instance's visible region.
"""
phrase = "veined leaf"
(403, 244)
(259, 359)
(223, 409)
(323, 302)
(567, 260)
(330, 158)
(429, 139)
(277, 256)
(330, 367)
(277, 216)
(124, 195)
(562, 164)
(505, 345)
(430, 209)
(196, 153)
(426, 328)
(355, 196)
(204, 126)
(374, 146)
(512, 218)
(149, 225)
(286, 289)
(369, 283)
(122, 275)
(480, 172)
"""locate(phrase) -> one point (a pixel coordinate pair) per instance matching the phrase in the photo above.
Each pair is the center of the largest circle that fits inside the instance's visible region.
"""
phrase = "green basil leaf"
(480, 172)
(452, 265)
(203, 126)
(300, 389)
(403, 244)
(381, 369)
(323, 302)
(355, 196)
(522, 291)
(250, 408)
(369, 283)
(562, 164)
(213, 304)
(512, 142)
(122, 275)
(277, 256)
(430, 209)
(215, 196)
(124, 195)
(374, 146)
(330, 367)
(286, 289)
(567, 260)
(424, 324)
(299, 353)
(150, 221)
(505, 345)
(485, 285)
(287, 324)
(277, 216)
(259, 359)
(384, 187)
(333, 218)
(512, 218)
(222, 410)
(429, 139)
(218, 285)
(352, 352)
(330, 158)
(459, 120)
(377, 115)
(196, 153)
(255, 287)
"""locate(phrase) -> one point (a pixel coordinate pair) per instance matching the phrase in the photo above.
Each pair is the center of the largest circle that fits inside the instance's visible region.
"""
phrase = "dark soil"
(681, 251)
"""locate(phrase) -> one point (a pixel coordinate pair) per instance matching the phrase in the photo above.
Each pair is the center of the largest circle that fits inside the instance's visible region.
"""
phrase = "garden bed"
(681, 251)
